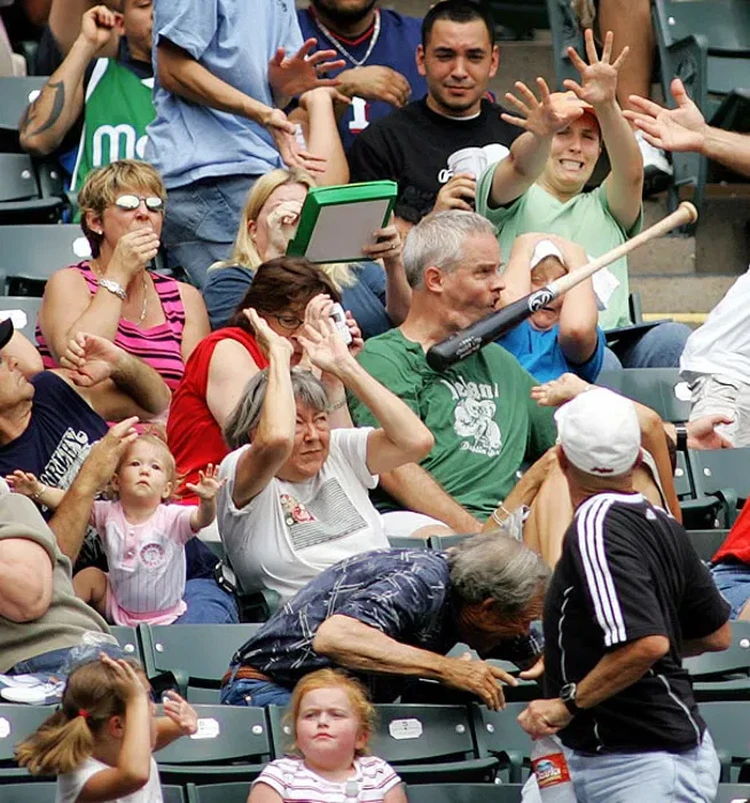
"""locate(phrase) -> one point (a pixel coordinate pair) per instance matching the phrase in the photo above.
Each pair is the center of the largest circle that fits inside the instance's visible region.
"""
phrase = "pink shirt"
(146, 562)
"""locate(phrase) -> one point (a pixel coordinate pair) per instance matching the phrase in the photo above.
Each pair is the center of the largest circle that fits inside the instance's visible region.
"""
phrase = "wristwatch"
(113, 287)
(568, 695)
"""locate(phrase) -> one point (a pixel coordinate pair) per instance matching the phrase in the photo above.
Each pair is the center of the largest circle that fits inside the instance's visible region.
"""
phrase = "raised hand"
(458, 192)
(282, 225)
(285, 139)
(98, 25)
(134, 250)
(130, 686)
(479, 678)
(702, 432)
(680, 129)
(101, 462)
(267, 339)
(181, 713)
(90, 359)
(599, 77)
(387, 245)
(544, 117)
(24, 482)
(208, 485)
(291, 76)
(323, 346)
(376, 82)
(558, 391)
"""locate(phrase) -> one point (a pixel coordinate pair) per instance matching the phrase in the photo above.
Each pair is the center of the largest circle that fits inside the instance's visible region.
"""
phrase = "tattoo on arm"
(58, 104)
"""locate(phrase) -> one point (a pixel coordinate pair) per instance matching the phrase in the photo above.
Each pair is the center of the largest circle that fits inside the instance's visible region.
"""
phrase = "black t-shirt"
(628, 571)
(412, 146)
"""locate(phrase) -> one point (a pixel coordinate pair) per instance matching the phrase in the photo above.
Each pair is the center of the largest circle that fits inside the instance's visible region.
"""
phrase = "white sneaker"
(656, 167)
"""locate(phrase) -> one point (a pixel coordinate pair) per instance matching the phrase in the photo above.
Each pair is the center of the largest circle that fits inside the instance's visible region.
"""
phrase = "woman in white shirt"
(296, 499)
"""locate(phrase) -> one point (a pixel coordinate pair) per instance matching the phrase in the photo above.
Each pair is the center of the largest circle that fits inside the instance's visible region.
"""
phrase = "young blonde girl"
(99, 743)
(143, 537)
(332, 721)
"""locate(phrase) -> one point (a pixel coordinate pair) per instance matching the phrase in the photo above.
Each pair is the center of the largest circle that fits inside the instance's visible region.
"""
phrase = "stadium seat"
(29, 792)
(707, 44)
(172, 794)
(127, 638)
(566, 33)
(706, 542)
(17, 93)
(29, 255)
(218, 793)
(723, 675)
(16, 723)
(21, 199)
(728, 724)
(683, 487)
(724, 474)
(422, 742)
(733, 793)
(657, 388)
(405, 542)
(499, 734)
(464, 793)
(194, 657)
(443, 542)
(232, 744)
(23, 311)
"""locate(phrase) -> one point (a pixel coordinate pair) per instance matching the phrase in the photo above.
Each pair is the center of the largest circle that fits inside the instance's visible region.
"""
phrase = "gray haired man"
(393, 614)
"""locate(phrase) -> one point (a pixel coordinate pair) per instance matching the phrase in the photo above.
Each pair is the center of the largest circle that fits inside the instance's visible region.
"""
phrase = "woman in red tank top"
(112, 294)
(283, 292)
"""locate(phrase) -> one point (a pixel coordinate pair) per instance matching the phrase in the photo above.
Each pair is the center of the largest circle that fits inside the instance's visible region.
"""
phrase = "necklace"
(145, 299)
(342, 50)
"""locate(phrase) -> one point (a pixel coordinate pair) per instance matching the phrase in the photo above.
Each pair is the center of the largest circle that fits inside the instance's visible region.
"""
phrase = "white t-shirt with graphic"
(69, 786)
(291, 531)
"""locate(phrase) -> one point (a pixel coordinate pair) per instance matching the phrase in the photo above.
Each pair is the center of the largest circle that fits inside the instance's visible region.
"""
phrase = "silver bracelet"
(114, 287)
(339, 404)
(494, 515)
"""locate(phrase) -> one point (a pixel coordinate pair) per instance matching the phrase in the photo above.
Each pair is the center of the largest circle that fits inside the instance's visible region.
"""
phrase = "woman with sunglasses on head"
(113, 294)
(286, 292)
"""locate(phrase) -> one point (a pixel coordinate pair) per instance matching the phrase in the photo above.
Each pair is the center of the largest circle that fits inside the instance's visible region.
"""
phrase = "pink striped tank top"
(160, 346)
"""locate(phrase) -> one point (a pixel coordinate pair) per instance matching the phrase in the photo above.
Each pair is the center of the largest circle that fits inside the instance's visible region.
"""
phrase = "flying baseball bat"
(470, 340)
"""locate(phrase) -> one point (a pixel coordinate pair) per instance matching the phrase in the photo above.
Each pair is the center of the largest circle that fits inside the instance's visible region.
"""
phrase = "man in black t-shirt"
(628, 600)
(414, 145)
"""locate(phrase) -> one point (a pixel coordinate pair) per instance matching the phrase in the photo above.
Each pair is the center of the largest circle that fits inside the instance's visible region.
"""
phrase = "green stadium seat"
(733, 793)
(723, 675)
(706, 542)
(728, 724)
(405, 542)
(194, 657)
(499, 734)
(465, 793)
(29, 792)
(23, 311)
(218, 793)
(172, 794)
(127, 638)
(661, 389)
(232, 744)
(17, 93)
(16, 723)
(723, 474)
(443, 542)
(21, 199)
(422, 742)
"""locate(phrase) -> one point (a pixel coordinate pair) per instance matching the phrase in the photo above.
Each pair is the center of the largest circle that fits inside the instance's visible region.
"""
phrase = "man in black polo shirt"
(418, 145)
(628, 600)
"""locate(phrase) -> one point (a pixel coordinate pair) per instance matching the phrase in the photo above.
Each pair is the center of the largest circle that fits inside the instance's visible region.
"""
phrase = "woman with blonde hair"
(378, 297)
(113, 294)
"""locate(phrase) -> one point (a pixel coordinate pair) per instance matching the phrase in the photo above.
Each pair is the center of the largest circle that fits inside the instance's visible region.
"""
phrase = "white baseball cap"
(542, 250)
(599, 432)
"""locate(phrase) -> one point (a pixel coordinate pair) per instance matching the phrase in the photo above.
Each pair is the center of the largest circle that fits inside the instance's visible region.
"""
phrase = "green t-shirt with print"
(480, 411)
(585, 219)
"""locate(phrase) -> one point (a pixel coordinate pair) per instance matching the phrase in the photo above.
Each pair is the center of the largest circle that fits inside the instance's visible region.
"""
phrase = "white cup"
(468, 160)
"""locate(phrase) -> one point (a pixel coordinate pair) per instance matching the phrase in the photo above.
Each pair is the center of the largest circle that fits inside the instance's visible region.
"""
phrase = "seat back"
(733, 793)
(735, 660)
(23, 311)
(706, 542)
(499, 734)
(464, 793)
(17, 177)
(443, 542)
(33, 253)
(661, 389)
(683, 487)
(727, 724)
(127, 638)
(714, 470)
(196, 656)
(17, 93)
(218, 792)
(16, 723)
(29, 792)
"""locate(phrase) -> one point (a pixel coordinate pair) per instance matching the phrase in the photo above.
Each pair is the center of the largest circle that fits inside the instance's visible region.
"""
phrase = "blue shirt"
(234, 41)
(225, 288)
(540, 353)
(395, 48)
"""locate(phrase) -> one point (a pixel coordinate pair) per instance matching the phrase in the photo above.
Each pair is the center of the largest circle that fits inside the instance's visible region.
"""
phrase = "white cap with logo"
(599, 432)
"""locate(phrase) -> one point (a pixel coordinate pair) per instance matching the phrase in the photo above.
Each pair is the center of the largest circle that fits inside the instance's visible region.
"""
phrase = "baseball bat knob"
(691, 211)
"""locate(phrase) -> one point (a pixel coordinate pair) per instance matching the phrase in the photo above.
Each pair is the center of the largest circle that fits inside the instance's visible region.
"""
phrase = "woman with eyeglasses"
(113, 294)
(286, 292)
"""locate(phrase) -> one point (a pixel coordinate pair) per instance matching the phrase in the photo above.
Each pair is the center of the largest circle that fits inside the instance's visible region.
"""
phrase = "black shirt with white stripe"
(628, 571)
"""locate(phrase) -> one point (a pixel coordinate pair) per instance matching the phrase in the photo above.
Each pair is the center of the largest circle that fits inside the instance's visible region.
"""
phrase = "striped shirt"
(160, 346)
(291, 779)
(628, 571)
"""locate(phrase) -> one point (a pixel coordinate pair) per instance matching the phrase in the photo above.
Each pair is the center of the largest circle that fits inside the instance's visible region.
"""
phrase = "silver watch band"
(113, 287)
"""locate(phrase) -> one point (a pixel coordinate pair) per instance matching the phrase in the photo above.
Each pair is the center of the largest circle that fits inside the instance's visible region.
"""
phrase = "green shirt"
(585, 219)
(481, 414)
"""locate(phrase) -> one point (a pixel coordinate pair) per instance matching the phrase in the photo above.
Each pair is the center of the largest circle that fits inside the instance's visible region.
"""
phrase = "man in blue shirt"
(379, 47)
(222, 68)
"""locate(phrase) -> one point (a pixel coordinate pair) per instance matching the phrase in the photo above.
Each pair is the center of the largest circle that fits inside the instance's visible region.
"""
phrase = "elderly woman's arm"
(273, 440)
(403, 438)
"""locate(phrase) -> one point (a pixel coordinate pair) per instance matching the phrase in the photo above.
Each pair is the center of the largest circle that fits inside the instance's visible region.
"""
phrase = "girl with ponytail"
(99, 742)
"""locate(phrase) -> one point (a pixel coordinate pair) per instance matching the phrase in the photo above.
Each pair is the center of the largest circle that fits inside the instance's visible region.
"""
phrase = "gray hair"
(306, 387)
(498, 567)
(438, 239)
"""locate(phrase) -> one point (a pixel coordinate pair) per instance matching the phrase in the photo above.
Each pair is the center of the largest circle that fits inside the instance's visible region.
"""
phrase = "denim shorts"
(258, 693)
(733, 582)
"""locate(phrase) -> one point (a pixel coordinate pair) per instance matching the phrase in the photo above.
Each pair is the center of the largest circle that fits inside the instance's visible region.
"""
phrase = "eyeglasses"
(132, 202)
(289, 322)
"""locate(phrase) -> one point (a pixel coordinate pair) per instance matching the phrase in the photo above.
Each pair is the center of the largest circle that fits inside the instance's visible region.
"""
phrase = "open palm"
(599, 77)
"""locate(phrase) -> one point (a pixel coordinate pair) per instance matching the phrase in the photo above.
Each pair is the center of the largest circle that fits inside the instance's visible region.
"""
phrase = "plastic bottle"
(551, 770)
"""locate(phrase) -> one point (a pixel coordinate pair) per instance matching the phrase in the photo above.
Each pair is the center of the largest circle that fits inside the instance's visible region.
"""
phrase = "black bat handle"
(468, 341)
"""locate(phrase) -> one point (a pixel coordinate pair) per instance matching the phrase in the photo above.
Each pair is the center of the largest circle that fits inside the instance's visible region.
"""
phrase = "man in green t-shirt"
(555, 201)
(480, 411)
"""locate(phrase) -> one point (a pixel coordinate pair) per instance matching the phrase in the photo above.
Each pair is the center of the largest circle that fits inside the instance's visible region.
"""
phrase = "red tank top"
(193, 435)
(737, 543)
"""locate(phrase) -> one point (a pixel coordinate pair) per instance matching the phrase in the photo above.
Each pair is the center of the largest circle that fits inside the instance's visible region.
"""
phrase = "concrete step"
(686, 292)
